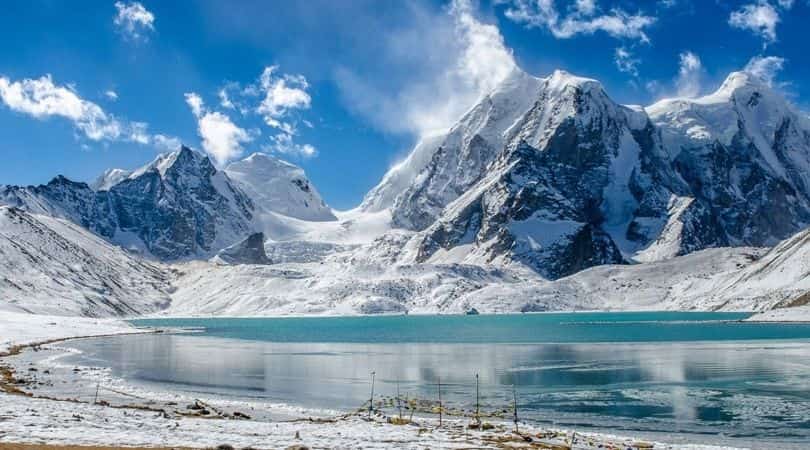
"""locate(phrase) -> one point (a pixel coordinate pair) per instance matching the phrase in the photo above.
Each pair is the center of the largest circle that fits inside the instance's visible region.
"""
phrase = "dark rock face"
(420, 206)
(178, 207)
(248, 251)
(542, 206)
(551, 223)
(749, 204)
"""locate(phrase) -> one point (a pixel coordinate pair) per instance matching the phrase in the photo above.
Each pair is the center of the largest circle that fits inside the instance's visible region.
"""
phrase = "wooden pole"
(399, 403)
(407, 402)
(477, 402)
(514, 396)
(440, 402)
(371, 402)
(95, 400)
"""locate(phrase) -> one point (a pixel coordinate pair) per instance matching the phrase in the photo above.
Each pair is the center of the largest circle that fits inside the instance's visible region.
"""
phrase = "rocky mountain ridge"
(578, 180)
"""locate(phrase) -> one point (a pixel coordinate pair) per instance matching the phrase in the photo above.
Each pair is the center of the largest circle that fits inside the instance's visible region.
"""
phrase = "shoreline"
(331, 433)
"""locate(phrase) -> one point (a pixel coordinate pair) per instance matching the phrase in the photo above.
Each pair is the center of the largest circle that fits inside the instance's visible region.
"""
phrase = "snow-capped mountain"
(179, 206)
(53, 266)
(547, 186)
(551, 173)
(110, 178)
(278, 186)
(745, 154)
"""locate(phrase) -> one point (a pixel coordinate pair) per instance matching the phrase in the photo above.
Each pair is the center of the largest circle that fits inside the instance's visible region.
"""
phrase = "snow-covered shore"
(795, 314)
(25, 329)
(25, 419)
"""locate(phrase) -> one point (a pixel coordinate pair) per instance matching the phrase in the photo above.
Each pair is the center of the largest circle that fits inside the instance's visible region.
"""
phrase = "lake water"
(687, 376)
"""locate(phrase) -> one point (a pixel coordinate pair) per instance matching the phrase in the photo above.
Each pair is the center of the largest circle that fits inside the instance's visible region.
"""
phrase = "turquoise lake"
(686, 377)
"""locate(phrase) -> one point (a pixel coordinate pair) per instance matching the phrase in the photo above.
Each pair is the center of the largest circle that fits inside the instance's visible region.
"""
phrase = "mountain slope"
(780, 279)
(53, 266)
(455, 160)
(278, 186)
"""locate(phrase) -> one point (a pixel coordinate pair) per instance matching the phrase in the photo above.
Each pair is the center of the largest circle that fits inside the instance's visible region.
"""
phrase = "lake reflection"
(740, 388)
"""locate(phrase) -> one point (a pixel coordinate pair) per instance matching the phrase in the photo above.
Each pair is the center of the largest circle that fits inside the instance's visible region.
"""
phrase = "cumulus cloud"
(221, 138)
(582, 19)
(625, 61)
(282, 93)
(765, 67)
(225, 98)
(110, 94)
(690, 70)
(41, 98)
(585, 7)
(277, 98)
(133, 20)
(451, 61)
(283, 143)
(760, 18)
(195, 102)
(167, 143)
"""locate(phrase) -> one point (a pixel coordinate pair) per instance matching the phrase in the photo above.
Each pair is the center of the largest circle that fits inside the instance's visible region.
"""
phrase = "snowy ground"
(352, 282)
(21, 329)
(795, 314)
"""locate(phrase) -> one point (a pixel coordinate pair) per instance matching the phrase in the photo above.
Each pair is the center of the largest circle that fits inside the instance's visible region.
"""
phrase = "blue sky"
(341, 88)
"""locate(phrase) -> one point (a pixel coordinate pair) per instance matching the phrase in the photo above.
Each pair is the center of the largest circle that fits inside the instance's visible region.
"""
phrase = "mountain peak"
(182, 157)
(266, 160)
(280, 187)
(110, 178)
(561, 79)
(736, 81)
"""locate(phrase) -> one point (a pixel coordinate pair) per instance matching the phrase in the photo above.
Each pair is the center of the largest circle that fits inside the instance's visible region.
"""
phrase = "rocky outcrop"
(248, 251)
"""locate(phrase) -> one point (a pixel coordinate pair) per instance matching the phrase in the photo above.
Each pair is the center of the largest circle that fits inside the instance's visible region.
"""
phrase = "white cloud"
(625, 61)
(221, 138)
(450, 61)
(283, 143)
(133, 19)
(41, 98)
(787, 4)
(139, 132)
(585, 7)
(582, 20)
(689, 74)
(225, 99)
(760, 18)
(765, 67)
(276, 97)
(485, 61)
(111, 94)
(282, 93)
(167, 143)
(195, 102)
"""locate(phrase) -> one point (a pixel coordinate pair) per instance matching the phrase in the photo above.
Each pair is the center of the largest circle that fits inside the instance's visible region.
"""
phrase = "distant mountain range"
(513, 208)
